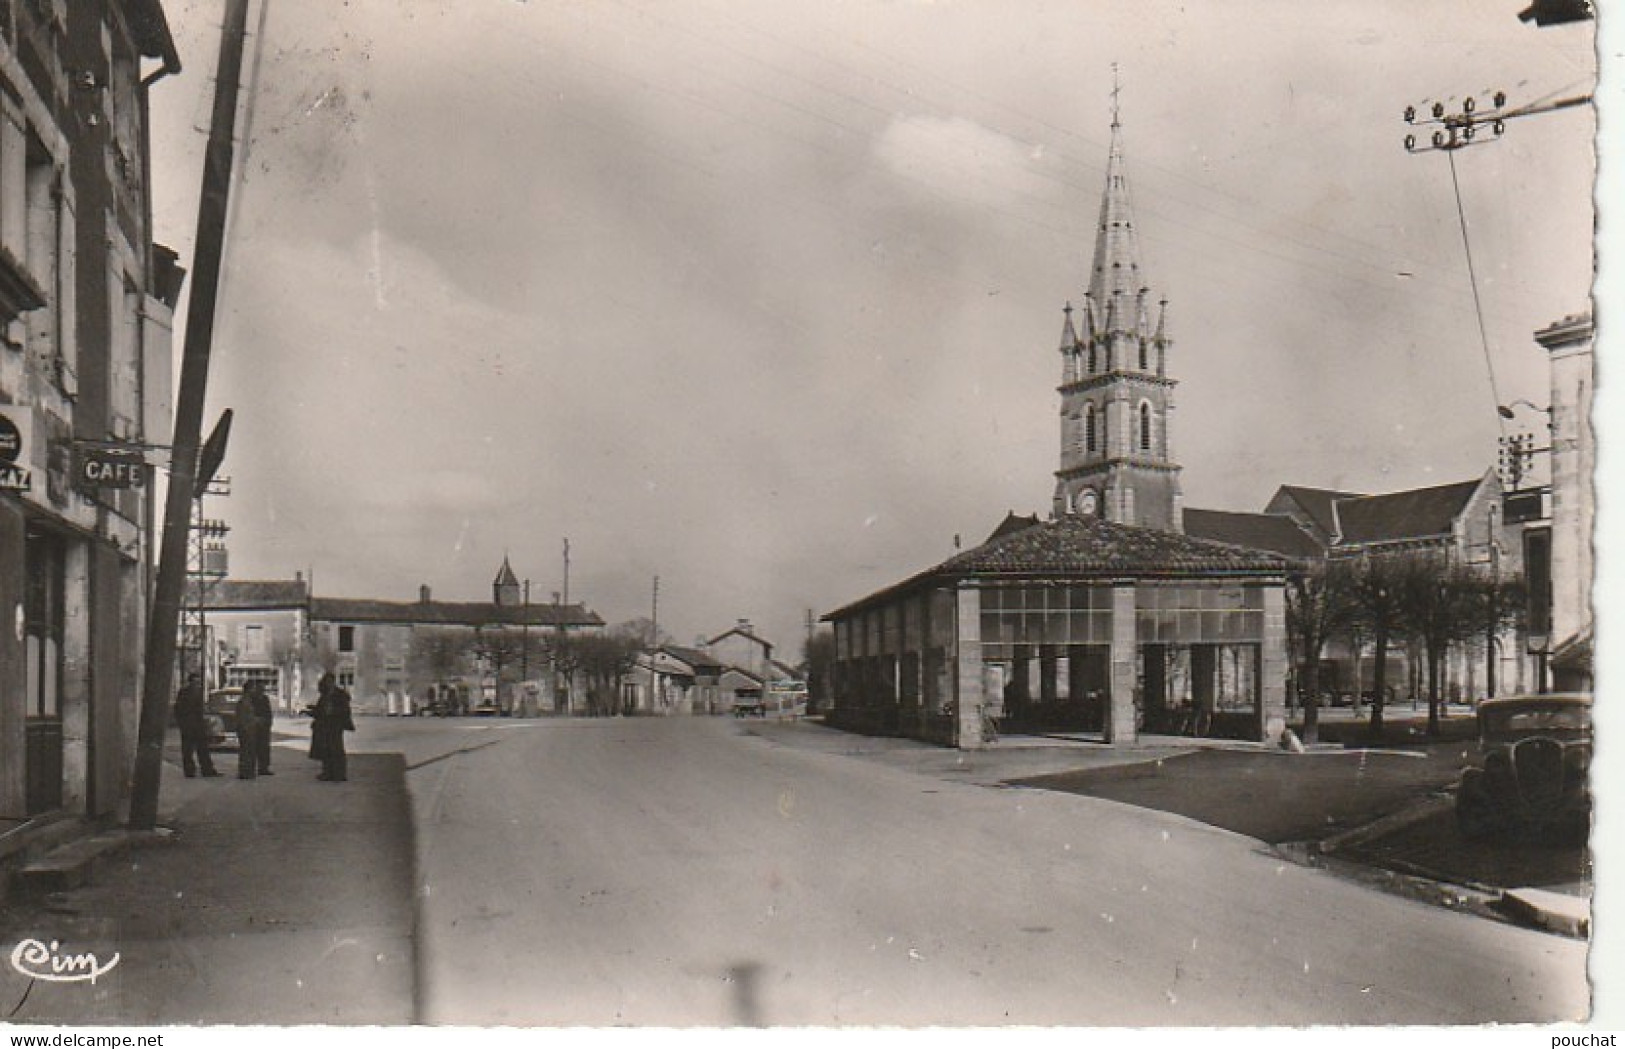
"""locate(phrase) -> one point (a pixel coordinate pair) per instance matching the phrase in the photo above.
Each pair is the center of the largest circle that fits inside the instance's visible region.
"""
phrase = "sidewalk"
(1388, 809)
(282, 900)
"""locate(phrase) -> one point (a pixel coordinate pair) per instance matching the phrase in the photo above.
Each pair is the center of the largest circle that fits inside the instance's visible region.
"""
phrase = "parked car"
(1532, 780)
(220, 714)
(438, 707)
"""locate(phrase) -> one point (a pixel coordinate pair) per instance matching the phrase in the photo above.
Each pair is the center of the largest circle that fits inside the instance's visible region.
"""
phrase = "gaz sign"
(14, 476)
(111, 468)
(11, 440)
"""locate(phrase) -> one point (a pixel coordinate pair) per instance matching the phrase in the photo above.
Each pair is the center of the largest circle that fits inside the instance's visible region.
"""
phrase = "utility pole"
(654, 639)
(164, 615)
(1465, 127)
(806, 654)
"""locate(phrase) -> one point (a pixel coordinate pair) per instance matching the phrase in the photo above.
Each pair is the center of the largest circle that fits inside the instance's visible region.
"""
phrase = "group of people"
(330, 720)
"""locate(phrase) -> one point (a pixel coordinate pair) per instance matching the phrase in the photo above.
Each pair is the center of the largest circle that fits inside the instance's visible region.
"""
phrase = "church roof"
(1090, 549)
(505, 576)
(1276, 533)
(1317, 503)
(1421, 513)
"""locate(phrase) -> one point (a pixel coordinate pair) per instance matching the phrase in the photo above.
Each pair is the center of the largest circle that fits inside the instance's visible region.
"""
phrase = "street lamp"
(1505, 410)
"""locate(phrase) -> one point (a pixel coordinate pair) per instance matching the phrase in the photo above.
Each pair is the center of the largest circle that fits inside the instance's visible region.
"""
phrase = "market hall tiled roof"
(1089, 548)
(1275, 533)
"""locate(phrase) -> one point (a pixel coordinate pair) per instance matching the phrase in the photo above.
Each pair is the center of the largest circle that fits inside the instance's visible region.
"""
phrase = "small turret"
(505, 588)
(1069, 334)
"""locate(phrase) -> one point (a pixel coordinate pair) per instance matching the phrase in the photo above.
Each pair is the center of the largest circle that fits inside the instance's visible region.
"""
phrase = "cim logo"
(43, 961)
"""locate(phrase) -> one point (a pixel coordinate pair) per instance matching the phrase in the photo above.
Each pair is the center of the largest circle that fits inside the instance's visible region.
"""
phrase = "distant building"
(736, 667)
(394, 656)
(741, 647)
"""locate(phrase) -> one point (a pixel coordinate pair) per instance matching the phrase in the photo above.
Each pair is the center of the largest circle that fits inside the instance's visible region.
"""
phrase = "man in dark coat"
(261, 705)
(189, 717)
(248, 733)
(329, 722)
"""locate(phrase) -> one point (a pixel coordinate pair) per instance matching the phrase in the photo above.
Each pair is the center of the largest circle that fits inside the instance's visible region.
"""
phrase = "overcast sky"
(764, 297)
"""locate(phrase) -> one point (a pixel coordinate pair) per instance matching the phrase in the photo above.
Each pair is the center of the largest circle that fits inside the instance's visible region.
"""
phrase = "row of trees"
(512, 654)
(1424, 599)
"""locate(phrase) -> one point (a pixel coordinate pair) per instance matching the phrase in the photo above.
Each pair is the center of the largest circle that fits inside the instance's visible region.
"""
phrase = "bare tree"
(1444, 603)
(1376, 589)
(439, 654)
(648, 634)
(604, 660)
(1319, 605)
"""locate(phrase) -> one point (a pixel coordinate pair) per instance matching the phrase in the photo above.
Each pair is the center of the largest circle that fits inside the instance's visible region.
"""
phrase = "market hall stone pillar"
(1124, 668)
(970, 692)
(1273, 671)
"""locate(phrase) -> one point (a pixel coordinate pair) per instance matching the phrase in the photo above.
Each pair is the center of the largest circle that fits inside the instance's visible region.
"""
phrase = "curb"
(1387, 824)
(1552, 911)
(73, 865)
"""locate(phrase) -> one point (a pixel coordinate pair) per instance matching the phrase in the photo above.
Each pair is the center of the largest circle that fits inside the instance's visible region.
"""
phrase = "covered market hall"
(1076, 626)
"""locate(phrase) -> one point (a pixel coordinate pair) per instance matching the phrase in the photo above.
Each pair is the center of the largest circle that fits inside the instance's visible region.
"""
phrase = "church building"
(1106, 620)
(1116, 393)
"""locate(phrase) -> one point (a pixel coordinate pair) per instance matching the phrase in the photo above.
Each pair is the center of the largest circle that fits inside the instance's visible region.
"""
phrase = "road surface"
(678, 872)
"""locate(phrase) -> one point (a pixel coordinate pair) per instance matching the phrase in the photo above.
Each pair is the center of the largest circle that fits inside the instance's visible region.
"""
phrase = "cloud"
(959, 162)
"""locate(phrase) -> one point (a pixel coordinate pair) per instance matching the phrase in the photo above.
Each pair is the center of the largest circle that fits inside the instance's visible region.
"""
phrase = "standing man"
(329, 724)
(248, 736)
(261, 705)
(194, 728)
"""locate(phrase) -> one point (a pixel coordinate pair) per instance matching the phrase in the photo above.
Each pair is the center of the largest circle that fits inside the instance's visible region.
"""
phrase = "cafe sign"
(111, 467)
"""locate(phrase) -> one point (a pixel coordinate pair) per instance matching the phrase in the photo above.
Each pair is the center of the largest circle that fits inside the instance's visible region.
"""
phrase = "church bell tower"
(1116, 394)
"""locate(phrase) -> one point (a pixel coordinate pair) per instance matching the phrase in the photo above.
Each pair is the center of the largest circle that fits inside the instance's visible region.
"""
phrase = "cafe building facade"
(1076, 626)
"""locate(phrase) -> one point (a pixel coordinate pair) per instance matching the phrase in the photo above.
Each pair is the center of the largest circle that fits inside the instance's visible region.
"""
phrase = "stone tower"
(1116, 461)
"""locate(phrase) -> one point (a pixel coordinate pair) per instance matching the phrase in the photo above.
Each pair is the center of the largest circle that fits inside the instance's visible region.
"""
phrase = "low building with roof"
(393, 656)
(672, 679)
(1075, 625)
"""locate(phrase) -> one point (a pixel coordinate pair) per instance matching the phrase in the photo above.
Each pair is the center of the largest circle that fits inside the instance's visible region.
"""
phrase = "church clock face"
(1087, 502)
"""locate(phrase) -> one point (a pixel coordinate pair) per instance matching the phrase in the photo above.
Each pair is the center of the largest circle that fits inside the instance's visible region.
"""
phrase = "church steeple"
(1116, 393)
(1115, 283)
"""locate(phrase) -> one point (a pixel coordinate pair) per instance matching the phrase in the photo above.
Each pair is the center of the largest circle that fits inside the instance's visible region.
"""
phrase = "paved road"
(678, 872)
